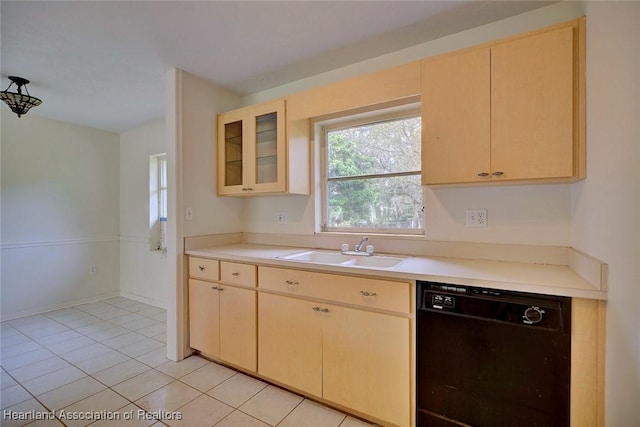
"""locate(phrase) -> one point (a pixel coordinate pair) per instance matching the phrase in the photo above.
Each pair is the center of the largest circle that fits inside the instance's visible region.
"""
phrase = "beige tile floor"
(104, 364)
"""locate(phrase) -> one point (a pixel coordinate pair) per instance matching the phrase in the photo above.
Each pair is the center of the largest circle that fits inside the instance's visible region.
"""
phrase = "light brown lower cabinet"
(366, 364)
(204, 317)
(356, 358)
(290, 342)
(222, 322)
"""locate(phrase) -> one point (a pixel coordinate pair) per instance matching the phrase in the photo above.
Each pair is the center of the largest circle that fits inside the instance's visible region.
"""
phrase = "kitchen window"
(158, 201)
(371, 173)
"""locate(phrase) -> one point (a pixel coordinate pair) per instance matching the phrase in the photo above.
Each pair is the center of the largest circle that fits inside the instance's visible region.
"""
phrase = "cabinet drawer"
(361, 291)
(238, 274)
(202, 268)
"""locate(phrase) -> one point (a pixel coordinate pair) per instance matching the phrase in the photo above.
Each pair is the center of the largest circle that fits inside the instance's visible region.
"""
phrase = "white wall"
(60, 214)
(201, 101)
(191, 108)
(606, 206)
(142, 271)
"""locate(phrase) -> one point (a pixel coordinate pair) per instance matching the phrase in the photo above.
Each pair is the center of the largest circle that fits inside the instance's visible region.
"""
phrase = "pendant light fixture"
(17, 101)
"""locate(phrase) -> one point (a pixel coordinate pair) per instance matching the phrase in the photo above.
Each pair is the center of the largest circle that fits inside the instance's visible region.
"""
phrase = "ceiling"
(101, 64)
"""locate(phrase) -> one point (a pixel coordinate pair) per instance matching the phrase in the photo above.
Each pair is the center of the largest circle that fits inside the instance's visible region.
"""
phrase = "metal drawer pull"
(498, 173)
(483, 174)
(201, 267)
(367, 294)
(291, 283)
(316, 309)
(216, 288)
(235, 274)
(324, 310)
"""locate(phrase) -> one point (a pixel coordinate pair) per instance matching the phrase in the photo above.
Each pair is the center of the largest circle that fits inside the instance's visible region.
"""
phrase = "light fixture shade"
(17, 101)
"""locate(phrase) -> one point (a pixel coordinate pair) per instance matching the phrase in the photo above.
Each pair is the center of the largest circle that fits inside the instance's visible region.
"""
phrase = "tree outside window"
(372, 177)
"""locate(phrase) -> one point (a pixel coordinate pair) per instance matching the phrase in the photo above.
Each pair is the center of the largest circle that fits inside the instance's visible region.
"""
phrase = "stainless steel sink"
(336, 258)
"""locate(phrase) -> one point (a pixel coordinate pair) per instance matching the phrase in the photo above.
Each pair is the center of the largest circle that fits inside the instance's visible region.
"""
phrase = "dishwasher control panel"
(442, 301)
(531, 310)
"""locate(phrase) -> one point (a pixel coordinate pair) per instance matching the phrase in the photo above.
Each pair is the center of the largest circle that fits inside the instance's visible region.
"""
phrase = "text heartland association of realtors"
(133, 414)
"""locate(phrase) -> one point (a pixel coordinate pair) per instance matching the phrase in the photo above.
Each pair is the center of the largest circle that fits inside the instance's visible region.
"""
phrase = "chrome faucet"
(359, 246)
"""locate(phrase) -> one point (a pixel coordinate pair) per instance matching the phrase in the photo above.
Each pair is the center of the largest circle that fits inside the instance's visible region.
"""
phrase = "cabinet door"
(232, 148)
(267, 128)
(455, 118)
(204, 317)
(366, 363)
(252, 150)
(532, 106)
(238, 331)
(290, 342)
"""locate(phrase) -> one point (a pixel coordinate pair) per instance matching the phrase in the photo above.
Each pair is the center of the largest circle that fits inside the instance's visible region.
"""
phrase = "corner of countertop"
(589, 268)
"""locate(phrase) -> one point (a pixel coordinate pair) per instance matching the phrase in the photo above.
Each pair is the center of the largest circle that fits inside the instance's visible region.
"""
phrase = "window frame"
(162, 186)
(345, 121)
(158, 203)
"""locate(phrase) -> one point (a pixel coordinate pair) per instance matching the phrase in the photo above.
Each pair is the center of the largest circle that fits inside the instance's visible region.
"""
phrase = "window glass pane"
(372, 175)
(162, 164)
(163, 203)
(379, 148)
(378, 203)
(162, 186)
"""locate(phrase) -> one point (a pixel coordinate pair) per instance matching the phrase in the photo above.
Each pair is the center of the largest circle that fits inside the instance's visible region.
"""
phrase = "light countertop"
(517, 276)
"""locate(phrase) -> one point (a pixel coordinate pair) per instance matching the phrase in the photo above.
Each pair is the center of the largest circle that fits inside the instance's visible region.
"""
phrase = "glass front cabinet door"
(251, 150)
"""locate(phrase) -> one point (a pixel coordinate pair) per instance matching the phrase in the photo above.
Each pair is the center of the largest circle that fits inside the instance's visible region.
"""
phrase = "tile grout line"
(87, 374)
(150, 365)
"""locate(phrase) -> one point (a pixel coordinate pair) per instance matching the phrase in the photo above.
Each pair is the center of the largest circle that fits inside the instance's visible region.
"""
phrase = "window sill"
(418, 236)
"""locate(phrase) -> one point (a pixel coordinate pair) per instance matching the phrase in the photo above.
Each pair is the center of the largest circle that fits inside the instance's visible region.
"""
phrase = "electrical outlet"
(476, 217)
(281, 217)
(188, 214)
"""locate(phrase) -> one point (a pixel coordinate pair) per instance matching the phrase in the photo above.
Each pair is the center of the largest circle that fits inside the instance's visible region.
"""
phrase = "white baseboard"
(59, 306)
(144, 300)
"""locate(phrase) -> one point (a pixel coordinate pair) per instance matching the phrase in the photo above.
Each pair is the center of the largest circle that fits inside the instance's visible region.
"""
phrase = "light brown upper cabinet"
(511, 111)
(254, 153)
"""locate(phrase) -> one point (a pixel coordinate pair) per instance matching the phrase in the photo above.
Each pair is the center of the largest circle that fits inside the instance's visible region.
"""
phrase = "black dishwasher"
(491, 358)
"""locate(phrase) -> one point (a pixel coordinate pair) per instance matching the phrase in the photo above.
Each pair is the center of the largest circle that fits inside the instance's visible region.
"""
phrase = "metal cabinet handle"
(368, 294)
(316, 309)
(235, 274)
(483, 174)
(324, 310)
(201, 267)
(216, 288)
(291, 283)
(497, 173)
